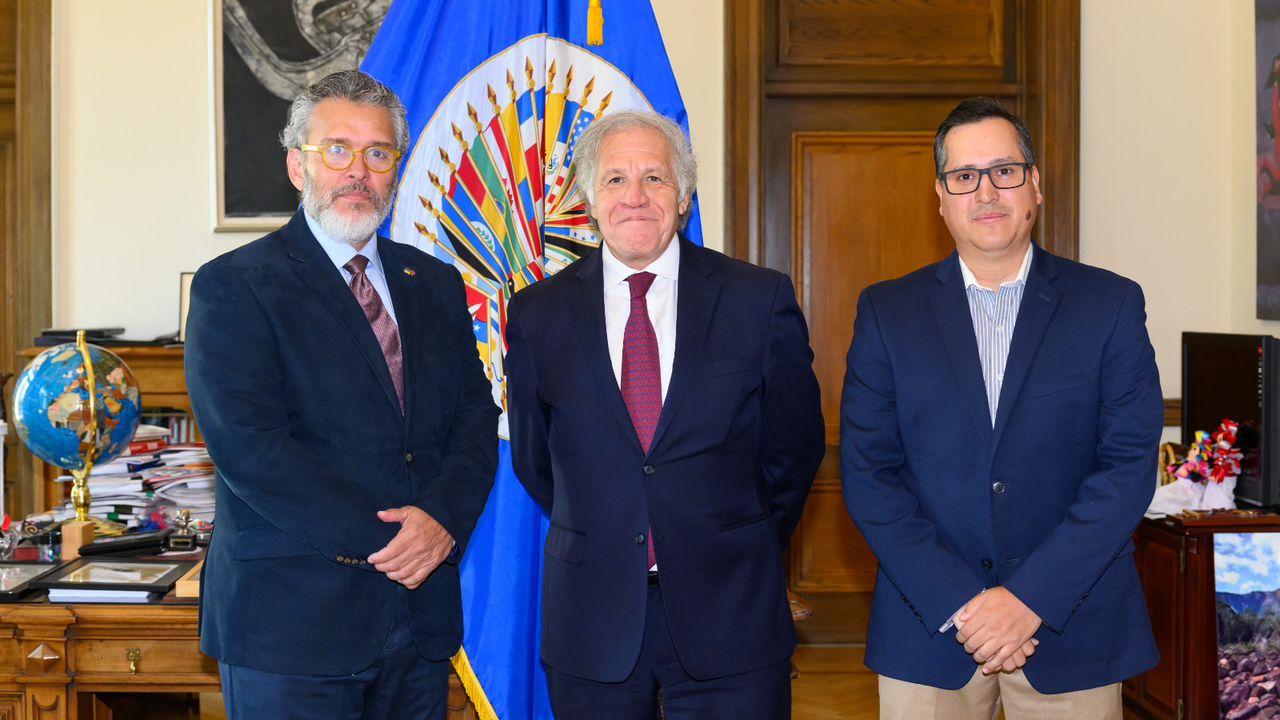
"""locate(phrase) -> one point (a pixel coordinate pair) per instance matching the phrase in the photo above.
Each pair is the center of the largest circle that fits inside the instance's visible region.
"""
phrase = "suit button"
(998, 487)
(649, 469)
(986, 563)
(639, 538)
(341, 559)
(408, 457)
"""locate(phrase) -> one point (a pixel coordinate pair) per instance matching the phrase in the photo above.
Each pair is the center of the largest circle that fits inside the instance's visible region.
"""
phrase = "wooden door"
(832, 107)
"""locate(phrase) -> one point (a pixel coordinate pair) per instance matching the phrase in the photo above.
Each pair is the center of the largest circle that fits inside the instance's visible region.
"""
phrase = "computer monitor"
(1235, 376)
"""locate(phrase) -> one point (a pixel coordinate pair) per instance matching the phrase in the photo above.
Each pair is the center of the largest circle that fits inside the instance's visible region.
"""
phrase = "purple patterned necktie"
(641, 370)
(384, 328)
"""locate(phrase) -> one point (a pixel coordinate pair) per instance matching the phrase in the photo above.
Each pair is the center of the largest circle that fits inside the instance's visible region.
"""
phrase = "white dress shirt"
(341, 253)
(661, 300)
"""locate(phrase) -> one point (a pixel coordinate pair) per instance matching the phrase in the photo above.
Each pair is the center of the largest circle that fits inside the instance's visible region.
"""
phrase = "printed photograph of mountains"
(1247, 584)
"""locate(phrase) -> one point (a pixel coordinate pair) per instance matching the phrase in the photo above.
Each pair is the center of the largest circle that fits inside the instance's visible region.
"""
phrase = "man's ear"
(293, 161)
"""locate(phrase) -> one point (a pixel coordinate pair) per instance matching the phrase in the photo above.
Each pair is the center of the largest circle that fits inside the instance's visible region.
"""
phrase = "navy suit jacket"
(723, 485)
(1044, 504)
(295, 401)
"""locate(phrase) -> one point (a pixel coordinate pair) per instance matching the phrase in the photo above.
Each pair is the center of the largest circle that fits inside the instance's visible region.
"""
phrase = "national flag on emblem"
(497, 96)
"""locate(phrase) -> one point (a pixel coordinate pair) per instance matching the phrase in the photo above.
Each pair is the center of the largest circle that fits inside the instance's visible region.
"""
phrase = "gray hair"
(586, 152)
(352, 86)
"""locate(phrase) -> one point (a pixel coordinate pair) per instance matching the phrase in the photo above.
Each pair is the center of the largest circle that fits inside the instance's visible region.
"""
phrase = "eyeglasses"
(336, 156)
(1005, 176)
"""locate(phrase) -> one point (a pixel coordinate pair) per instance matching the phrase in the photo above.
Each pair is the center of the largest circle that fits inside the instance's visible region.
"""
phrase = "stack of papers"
(130, 489)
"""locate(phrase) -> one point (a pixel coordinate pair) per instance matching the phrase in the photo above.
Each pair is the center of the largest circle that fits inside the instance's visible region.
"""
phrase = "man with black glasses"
(334, 376)
(999, 425)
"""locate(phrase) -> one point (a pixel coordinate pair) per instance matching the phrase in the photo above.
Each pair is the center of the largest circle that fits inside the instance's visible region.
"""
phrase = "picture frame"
(265, 52)
(184, 303)
(17, 576)
(114, 573)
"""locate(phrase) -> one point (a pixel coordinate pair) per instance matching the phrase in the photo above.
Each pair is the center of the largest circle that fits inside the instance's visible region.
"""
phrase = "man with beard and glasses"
(335, 378)
(998, 437)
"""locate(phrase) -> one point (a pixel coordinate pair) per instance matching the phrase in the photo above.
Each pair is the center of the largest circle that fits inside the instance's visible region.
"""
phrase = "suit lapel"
(951, 310)
(315, 269)
(410, 316)
(695, 304)
(1039, 300)
(587, 311)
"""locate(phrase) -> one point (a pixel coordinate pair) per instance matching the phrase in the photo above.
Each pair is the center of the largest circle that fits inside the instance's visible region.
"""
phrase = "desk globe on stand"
(76, 405)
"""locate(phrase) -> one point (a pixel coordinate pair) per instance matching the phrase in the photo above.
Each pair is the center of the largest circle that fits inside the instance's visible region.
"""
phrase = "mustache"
(356, 186)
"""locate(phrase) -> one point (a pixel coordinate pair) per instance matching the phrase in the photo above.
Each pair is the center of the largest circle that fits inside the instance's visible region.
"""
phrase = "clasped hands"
(418, 548)
(995, 627)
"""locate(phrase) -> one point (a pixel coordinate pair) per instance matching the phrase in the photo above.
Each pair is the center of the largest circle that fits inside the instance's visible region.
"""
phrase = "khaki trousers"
(983, 697)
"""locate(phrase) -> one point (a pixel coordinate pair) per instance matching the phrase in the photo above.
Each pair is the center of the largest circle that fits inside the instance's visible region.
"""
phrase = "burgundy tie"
(641, 370)
(384, 328)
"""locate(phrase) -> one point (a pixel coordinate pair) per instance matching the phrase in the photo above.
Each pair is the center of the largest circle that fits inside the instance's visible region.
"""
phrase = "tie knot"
(356, 265)
(640, 283)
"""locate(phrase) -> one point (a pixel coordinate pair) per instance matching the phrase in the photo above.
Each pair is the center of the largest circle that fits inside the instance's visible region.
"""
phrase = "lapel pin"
(410, 272)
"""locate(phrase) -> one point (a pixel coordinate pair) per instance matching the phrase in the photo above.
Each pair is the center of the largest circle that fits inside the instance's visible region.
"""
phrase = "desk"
(1175, 562)
(57, 660)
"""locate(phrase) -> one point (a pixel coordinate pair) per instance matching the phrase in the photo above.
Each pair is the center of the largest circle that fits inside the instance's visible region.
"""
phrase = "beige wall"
(1167, 113)
(132, 168)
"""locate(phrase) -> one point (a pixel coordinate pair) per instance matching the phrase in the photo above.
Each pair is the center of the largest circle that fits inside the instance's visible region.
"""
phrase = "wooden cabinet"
(1175, 561)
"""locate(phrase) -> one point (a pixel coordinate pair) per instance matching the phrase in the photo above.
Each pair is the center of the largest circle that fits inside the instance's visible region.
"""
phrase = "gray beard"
(343, 228)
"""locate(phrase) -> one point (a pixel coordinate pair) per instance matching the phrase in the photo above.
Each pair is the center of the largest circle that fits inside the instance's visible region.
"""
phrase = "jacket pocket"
(728, 366)
(565, 544)
(1064, 382)
(266, 541)
(745, 522)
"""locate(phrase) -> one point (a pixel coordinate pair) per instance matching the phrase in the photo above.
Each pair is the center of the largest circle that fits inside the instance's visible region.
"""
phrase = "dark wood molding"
(1051, 105)
(744, 115)
(28, 278)
(1173, 412)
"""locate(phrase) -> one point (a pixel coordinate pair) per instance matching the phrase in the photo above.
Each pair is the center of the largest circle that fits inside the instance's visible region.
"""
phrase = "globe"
(51, 406)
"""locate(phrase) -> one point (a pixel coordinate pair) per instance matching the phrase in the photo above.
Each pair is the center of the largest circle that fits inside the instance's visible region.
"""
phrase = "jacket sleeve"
(793, 437)
(929, 577)
(526, 416)
(237, 385)
(456, 496)
(1111, 500)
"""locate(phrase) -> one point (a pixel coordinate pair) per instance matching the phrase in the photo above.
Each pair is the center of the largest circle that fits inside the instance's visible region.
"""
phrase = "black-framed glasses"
(1005, 176)
(336, 156)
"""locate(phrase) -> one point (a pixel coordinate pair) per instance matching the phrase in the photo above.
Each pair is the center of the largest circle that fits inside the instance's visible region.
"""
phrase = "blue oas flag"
(498, 94)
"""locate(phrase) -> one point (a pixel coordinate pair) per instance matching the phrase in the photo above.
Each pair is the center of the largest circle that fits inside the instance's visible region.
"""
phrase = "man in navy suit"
(999, 425)
(334, 376)
(665, 414)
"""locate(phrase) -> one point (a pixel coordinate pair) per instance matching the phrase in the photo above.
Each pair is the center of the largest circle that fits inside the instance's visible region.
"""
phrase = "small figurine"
(184, 536)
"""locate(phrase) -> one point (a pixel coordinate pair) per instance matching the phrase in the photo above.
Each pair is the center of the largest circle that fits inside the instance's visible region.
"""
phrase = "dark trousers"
(763, 694)
(400, 685)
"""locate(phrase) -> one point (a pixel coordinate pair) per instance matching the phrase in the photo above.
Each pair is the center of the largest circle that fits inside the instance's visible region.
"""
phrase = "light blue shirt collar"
(341, 253)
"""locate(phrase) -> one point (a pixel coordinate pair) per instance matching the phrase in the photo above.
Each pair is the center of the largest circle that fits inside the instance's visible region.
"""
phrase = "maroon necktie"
(641, 370)
(384, 328)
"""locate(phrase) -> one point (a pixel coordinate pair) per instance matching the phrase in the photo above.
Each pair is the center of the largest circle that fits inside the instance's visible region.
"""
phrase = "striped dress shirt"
(994, 314)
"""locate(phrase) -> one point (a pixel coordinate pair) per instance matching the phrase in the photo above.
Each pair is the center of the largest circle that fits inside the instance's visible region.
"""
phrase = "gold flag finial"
(511, 85)
(475, 116)
(493, 98)
(595, 23)
(604, 104)
(586, 92)
(551, 78)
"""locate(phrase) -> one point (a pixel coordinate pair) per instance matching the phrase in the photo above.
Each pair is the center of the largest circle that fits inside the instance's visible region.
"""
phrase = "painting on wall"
(1267, 91)
(265, 53)
(1246, 569)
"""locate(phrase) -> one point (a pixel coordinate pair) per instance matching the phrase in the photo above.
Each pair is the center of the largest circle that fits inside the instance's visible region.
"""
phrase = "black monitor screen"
(1222, 378)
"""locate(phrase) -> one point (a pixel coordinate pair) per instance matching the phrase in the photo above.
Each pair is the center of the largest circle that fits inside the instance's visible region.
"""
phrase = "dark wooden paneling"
(1160, 564)
(898, 40)
(840, 247)
(827, 552)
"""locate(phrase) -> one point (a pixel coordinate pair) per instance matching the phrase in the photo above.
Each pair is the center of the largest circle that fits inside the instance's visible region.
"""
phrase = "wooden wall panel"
(828, 553)
(864, 211)
(893, 35)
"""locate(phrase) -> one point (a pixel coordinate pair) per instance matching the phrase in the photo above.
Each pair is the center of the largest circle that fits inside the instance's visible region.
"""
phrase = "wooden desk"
(61, 662)
(1175, 562)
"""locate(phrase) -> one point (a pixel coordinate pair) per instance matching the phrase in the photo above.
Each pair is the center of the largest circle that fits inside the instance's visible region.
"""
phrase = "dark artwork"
(1267, 87)
(271, 50)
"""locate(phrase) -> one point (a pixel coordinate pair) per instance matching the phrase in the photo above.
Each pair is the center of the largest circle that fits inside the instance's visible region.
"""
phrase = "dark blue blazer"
(1043, 504)
(734, 455)
(294, 399)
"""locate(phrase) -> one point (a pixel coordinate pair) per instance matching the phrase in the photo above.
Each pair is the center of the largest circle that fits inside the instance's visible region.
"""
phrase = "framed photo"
(184, 303)
(16, 577)
(264, 53)
(102, 573)
(1246, 568)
